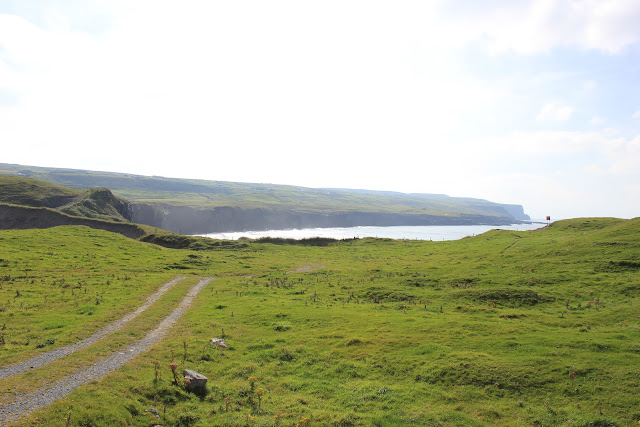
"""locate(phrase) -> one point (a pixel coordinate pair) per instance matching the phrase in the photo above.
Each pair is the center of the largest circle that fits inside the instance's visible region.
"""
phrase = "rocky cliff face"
(517, 212)
(186, 220)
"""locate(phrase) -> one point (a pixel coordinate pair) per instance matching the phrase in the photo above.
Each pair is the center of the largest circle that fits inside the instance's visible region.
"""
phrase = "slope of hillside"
(98, 203)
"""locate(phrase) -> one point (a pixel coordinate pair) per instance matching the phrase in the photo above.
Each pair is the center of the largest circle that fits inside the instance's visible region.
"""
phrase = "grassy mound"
(96, 203)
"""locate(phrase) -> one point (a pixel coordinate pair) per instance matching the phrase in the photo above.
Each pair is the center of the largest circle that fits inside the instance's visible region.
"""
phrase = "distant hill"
(199, 206)
(98, 203)
(31, 203)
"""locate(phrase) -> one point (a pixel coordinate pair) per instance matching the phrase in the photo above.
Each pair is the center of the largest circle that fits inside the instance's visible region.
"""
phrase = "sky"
(532, 102)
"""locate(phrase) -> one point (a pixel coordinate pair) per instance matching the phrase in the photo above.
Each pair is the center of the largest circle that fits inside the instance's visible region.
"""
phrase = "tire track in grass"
(48, 357)
(62, 387)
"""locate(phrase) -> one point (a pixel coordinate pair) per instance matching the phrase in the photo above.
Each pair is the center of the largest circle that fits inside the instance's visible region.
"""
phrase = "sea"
(425, 232)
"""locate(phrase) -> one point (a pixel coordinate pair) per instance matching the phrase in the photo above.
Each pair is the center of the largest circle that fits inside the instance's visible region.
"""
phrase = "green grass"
(480, 331)
(35, 193)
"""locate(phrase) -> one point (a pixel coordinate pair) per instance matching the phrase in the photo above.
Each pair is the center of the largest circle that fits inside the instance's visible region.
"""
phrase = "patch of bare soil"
(306, 268)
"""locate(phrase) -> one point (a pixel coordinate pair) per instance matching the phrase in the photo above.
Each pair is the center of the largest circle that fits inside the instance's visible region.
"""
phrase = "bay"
(426, 232)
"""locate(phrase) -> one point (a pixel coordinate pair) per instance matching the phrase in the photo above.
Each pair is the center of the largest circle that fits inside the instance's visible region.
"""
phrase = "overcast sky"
(529, 102)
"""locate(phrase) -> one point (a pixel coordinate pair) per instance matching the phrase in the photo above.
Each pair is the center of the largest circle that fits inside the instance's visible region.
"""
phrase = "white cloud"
(531, 27)
(547, 150)
(555, 112)
(636, 115)
(595, 121)
(624, 157)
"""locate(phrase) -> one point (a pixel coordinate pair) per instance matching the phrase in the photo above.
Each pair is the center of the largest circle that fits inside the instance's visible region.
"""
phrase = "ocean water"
(426, 232)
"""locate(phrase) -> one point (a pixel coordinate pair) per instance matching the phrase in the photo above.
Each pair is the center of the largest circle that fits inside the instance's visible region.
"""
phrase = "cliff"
(187, 220)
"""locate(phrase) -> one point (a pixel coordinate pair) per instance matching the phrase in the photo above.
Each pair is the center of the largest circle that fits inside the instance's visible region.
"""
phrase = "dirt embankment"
(22, 217)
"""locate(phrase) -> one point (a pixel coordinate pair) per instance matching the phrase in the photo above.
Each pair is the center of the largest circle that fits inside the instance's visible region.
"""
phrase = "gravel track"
(48, 357)
(61, 388)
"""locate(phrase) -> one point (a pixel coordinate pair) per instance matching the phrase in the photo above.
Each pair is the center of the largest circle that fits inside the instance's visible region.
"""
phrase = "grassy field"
(505, 328)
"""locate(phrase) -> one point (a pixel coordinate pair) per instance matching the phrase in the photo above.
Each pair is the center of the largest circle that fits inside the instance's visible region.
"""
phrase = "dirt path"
(306, 268)
(48, 357)
(61, 388)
